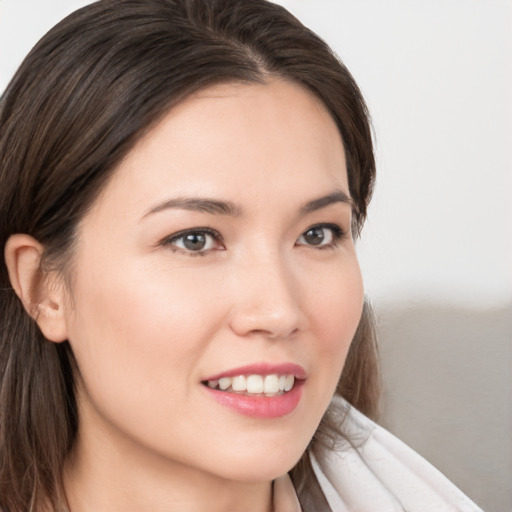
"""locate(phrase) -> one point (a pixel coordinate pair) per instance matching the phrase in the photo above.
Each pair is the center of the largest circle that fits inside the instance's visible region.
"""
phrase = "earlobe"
(42, 295)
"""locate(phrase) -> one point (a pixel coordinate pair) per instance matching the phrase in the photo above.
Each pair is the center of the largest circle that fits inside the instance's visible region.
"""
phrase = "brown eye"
(325, 235)
(314, 236)
(198, 241)
(195, 241)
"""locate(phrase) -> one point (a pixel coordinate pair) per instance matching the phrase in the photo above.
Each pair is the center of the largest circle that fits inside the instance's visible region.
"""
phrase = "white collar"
(379, 472)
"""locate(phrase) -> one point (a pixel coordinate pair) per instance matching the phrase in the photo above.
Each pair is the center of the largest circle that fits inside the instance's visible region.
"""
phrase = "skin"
(148, 320)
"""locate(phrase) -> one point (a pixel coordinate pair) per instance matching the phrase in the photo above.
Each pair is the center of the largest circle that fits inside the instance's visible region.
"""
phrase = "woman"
(182, 182)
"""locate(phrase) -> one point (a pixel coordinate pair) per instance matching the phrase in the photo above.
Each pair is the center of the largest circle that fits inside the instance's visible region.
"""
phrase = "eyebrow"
(216, 207)
(198, 204)
(337, 196)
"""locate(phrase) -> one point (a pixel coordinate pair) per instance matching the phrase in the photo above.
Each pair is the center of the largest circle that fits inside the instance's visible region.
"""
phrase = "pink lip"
(263, 369)
(259, 406)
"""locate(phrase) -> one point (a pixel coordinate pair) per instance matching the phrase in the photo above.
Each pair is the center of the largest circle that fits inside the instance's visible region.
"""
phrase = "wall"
(437, 249)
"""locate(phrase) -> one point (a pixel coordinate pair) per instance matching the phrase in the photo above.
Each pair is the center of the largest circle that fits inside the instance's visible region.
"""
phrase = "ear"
(42, 294)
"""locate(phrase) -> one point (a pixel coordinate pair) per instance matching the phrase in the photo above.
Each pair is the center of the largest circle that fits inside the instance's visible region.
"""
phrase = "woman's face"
(218, 256)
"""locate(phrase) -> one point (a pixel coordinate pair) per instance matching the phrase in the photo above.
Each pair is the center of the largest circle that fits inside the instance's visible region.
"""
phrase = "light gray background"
(437, 250)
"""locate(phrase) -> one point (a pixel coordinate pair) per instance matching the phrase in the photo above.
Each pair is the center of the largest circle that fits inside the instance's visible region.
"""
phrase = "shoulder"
(376, 468)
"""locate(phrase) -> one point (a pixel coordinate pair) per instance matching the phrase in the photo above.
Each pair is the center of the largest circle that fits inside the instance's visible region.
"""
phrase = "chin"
(261, 461)
(260, 471)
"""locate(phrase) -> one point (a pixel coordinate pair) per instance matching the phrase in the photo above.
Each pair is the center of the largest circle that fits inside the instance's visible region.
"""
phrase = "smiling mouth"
(254, 385)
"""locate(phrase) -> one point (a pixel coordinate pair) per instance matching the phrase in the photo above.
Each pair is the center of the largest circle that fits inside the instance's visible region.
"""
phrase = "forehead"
(232, 138)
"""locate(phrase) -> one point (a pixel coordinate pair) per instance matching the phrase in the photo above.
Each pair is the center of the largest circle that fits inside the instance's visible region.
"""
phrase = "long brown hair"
(84, 95)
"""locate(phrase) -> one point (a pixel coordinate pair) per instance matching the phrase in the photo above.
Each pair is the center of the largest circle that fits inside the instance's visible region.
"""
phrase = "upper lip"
(263, 369)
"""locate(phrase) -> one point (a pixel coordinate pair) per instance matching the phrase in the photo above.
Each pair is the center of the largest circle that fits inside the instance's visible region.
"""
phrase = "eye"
(195, 241)
(323, 235)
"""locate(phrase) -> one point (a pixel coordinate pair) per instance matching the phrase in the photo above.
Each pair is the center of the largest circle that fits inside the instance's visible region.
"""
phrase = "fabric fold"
(381, 471)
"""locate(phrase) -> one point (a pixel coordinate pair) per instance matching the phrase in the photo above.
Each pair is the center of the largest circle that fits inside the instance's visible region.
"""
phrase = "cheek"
(138, 357)
(335, 313)
(133, 330)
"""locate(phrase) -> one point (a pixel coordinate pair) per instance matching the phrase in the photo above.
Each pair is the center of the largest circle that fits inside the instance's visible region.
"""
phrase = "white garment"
(382, 474)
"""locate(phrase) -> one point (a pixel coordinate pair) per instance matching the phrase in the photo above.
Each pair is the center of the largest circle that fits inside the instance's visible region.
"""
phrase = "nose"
(266, 300)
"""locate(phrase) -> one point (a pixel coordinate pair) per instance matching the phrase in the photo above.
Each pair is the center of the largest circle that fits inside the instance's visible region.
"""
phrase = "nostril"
(273, 329)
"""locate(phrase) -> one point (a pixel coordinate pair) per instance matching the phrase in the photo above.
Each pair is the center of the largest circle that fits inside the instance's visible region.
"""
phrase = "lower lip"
(260, 406)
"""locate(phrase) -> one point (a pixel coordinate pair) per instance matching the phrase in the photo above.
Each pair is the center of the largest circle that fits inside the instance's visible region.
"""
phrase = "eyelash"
(338, 234)
(171, 241)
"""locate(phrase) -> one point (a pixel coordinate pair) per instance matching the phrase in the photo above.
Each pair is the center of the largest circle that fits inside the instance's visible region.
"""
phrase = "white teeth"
(239, 383)
(254, 384)
(224, 383)
(289, 382)
(271, 384)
